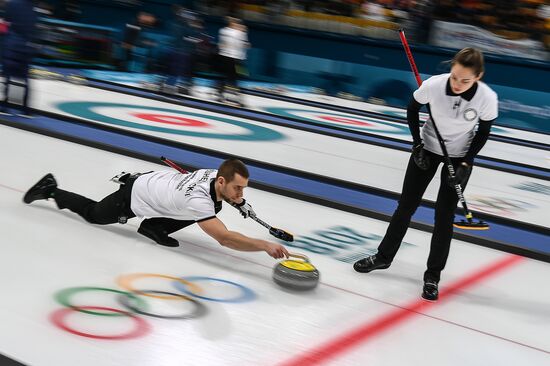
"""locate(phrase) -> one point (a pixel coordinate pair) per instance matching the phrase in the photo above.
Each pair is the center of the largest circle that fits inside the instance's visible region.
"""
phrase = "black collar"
(468, 94)
(217, 204)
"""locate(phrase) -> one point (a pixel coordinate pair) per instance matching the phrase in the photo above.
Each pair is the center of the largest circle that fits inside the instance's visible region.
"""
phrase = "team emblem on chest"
(470, 114)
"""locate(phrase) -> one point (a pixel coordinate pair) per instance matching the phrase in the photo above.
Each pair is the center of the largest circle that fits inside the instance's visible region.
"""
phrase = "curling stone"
(298, 275)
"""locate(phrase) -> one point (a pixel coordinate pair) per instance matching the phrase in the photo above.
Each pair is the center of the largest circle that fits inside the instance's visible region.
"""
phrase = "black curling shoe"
(42, 190)
(430, 291)
(159, 237)
(370, 263)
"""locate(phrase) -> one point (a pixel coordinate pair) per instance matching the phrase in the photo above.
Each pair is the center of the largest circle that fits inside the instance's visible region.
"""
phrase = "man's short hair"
(230, 167)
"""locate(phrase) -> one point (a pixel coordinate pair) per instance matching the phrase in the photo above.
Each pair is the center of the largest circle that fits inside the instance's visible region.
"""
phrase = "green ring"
(63, 297)
(84, 110)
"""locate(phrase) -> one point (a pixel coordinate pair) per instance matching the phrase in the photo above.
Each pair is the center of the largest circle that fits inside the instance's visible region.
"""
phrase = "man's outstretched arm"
(215, 228)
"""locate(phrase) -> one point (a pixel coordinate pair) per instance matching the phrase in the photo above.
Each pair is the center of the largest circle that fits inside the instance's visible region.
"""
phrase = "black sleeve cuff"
(206, 218)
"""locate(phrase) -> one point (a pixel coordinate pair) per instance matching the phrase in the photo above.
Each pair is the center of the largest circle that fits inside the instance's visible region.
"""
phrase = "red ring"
(58, 319)
(160, 118)
(345, 120)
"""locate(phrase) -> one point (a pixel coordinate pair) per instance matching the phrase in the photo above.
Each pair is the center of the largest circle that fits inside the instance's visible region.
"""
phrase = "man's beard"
(225, 198)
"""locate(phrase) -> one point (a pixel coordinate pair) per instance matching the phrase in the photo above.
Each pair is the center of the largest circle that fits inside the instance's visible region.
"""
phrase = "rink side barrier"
(516, 240)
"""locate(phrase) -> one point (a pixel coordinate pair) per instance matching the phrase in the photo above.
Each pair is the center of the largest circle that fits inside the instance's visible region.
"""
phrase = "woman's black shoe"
(430, 291)
(368, 264)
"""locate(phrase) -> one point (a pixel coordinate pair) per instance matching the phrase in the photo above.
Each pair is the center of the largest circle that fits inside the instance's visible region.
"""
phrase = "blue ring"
(247, 294)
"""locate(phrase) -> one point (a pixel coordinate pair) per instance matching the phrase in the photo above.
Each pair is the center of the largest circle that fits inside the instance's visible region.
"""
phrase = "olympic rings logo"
(134, 304)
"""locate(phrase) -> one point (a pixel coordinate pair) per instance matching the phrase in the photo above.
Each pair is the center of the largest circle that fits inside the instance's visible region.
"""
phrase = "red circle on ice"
(171, 120)
(345, 120)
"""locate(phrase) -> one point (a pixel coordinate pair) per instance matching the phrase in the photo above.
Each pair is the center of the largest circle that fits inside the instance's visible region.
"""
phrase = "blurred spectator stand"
(75, 44)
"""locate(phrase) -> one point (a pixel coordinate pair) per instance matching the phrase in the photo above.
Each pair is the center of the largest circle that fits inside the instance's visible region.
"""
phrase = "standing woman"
(232, 44)
(459, 102)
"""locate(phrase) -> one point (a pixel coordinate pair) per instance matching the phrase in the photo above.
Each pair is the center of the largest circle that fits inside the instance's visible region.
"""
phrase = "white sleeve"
(222, 38)
(489, 110)
(201, 208)
(423, 94)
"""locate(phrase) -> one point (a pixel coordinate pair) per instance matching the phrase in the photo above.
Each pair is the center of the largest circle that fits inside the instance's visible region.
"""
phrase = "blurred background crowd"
(180, 39)
(514, 19)
(510, 19)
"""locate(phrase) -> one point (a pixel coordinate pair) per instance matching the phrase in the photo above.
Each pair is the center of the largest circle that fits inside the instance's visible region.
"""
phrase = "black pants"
(25, 84)
(415, 184)
(228, 69)
(106, 211)
(111, 208)
(165, 225)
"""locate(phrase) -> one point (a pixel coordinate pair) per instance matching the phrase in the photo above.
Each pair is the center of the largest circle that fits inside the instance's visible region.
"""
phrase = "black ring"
(200, 308)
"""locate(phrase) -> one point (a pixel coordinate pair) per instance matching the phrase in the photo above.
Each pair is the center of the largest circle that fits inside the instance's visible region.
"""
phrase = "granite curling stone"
(299, 275)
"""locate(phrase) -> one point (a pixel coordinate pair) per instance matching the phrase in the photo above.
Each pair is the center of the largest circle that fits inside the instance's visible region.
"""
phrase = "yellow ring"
(125, 281)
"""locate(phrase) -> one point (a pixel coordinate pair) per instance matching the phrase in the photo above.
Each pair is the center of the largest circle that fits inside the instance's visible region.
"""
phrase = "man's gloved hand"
(420, 157)
(462, 174)
(245, 209)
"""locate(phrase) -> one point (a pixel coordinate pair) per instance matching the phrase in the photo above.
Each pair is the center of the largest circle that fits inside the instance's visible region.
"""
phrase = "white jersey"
(456, 116)
(175, 195)
(233, 43)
